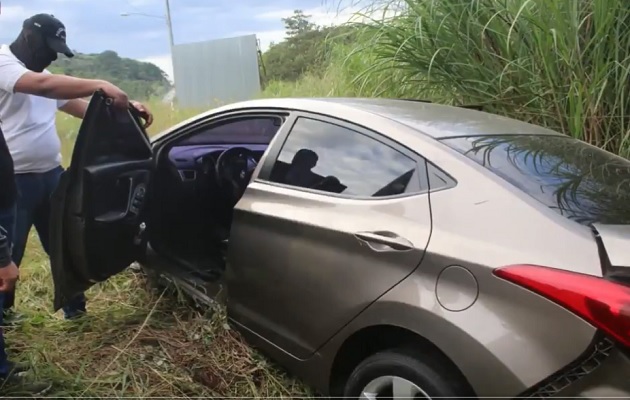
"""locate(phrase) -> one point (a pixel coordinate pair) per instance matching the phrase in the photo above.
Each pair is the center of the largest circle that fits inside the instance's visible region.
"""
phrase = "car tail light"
(604, 304)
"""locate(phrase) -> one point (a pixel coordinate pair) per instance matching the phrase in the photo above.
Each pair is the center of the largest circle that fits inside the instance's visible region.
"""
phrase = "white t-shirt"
(28, 121)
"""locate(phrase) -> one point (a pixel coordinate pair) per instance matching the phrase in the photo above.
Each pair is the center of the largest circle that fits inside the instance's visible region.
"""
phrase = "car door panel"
(98, 208)
(113, 187)
(303, 263)
(307, 271)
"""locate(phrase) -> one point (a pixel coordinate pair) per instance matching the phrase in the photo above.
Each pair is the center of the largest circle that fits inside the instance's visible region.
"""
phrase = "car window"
(248, 130)
(579, 181)
(323, 156)
(438, 180)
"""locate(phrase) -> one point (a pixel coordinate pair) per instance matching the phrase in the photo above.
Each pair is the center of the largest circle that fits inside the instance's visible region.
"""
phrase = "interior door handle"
(384, 241)
(119, 215)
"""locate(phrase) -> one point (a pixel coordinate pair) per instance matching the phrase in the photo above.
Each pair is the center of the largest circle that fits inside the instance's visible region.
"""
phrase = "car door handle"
(384, 241)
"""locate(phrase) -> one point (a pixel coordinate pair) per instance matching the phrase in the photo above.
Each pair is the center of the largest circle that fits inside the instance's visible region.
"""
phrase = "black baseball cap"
(52, 30)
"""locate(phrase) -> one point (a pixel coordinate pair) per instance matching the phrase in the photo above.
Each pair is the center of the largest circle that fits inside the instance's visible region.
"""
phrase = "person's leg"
(41, 220)
(4, 359)
(12, 375)
(29, 191)
(7, 367)
(7, 221)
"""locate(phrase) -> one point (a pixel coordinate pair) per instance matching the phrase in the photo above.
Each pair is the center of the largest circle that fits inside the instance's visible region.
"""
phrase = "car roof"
(435, 120)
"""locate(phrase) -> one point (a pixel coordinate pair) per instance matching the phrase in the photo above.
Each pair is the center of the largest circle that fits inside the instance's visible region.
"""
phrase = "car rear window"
(579, 181)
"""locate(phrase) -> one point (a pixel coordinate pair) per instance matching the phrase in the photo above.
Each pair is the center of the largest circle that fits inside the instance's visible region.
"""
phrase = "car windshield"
(581, 182)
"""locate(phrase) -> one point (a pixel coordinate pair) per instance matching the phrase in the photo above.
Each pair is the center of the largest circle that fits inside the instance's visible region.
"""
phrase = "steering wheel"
(206, 164)
(233, 172)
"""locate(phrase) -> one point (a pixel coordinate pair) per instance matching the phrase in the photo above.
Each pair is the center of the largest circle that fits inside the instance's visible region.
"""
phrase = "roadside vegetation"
(562, 64)
(138, 79)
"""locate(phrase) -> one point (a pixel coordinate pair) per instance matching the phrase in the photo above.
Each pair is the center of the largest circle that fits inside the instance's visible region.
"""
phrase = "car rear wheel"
(400, 374)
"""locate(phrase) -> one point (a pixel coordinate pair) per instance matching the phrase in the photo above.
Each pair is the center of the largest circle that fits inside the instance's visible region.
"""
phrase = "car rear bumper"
(608, 378)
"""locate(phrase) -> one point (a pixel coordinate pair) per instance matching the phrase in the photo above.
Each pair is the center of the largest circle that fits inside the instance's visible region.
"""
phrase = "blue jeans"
(33, 208)
(7, 221)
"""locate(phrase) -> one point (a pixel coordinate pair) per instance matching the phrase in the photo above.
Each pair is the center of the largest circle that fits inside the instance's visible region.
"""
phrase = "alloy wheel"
(392, 387)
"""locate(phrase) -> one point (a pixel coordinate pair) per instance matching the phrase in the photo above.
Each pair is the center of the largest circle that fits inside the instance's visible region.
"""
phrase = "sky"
(96, 25)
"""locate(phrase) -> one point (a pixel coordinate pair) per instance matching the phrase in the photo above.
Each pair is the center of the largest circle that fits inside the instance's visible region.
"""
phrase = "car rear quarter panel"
(518, 337)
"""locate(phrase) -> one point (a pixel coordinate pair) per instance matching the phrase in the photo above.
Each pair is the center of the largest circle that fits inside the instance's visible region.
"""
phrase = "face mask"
(42, 59)
(32, 50)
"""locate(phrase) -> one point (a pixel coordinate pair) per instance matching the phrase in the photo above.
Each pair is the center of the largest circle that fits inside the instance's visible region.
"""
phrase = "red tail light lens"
(604, 304)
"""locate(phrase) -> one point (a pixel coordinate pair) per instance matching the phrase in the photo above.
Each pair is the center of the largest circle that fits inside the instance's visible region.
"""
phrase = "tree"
(306, 48)
(299, 52)
(298, 23)
(140, 80)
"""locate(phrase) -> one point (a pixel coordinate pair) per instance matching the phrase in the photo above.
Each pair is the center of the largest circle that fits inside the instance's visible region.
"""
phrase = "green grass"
(137, 341)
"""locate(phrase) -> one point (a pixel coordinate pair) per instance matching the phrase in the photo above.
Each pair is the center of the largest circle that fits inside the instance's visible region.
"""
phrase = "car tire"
(429, 373)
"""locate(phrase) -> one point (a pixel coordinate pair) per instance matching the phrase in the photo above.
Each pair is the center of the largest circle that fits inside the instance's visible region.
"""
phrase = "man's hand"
(120, 98)
(144, 113)
(8, 276)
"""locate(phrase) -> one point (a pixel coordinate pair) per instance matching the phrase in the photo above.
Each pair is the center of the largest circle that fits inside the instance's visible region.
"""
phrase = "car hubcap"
(392, 387)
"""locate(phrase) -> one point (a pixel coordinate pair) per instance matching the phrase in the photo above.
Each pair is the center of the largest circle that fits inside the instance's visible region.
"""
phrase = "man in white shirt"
(29, 99)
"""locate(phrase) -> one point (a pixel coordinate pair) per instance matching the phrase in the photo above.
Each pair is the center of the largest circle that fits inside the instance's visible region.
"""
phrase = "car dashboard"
(188, 159)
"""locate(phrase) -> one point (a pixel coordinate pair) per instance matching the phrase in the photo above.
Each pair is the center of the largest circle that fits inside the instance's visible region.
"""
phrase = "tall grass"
(562, 64)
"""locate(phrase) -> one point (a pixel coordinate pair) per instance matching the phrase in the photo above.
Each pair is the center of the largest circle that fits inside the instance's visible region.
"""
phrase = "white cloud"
(319, 15)
(327, 17)
(275, 15)
(140, 3)
(148, 35)
(14, 13)
(267, 37)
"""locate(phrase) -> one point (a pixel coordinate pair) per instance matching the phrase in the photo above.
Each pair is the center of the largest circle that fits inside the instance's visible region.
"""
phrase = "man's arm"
(15, 78)
(57, 86)
(75, 107)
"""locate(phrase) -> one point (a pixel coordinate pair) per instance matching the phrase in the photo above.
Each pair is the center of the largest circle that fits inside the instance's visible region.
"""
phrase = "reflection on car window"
(581, 182)
(327, 157)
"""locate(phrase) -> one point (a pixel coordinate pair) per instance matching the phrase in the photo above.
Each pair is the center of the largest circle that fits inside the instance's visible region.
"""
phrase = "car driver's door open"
(98, 210)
